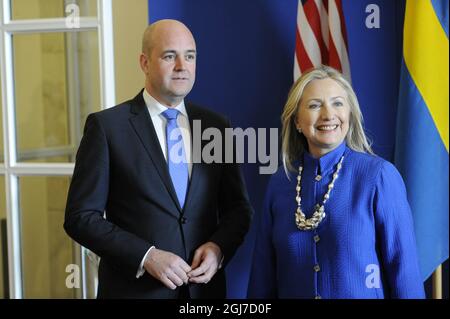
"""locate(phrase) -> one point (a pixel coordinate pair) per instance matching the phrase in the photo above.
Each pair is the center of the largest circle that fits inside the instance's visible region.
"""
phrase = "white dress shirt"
(159, 122)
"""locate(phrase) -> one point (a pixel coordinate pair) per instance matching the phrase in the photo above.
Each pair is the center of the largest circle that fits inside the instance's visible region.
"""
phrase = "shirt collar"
(328, 161)
(155, 108)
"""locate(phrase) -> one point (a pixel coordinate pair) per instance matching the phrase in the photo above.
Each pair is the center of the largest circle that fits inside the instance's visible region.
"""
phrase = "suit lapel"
(145, 130)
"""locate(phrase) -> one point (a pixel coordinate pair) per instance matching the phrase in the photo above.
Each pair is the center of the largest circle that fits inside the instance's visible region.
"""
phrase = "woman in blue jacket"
(336, 221)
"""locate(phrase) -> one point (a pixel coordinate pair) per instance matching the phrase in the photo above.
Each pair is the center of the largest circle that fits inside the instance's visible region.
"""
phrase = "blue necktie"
(176, 156)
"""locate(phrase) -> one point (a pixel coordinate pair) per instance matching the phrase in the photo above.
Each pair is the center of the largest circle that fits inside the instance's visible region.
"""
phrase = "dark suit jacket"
(121, 171)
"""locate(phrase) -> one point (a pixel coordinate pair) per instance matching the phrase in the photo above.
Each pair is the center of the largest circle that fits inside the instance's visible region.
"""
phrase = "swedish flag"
(423, 126)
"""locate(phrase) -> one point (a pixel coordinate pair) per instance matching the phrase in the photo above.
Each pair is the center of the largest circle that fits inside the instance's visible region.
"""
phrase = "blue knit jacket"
(364, 248)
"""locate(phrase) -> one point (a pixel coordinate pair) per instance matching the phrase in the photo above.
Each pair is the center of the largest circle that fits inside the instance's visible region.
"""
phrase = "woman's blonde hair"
(293, 142)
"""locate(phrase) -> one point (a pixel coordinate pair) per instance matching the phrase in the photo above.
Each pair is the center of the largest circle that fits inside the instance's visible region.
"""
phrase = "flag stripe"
(428, 70)
(341, 15)
(296, 68)
(321, 37)
(313, 17)
(307, 37)
(338, 39)
(334, 56)
(323, 14)
(302, 59)
(441, 9)
(325, 4)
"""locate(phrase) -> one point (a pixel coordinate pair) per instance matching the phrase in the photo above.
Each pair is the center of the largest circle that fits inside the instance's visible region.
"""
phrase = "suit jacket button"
(183, 220)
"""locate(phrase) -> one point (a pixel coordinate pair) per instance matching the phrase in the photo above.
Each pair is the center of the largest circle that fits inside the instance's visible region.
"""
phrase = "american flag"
(321, 37)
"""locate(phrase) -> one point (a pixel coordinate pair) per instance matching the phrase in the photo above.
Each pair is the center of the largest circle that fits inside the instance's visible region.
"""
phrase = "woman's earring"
(299, 130)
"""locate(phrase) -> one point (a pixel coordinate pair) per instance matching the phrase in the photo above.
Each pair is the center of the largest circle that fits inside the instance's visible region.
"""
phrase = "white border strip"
(106, 53)
(9, 140)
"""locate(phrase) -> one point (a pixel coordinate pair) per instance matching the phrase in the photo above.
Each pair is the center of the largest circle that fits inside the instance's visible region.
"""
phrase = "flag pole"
(437, 283)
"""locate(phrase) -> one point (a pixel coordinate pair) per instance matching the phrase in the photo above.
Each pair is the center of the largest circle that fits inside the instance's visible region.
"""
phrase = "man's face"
(170, 68)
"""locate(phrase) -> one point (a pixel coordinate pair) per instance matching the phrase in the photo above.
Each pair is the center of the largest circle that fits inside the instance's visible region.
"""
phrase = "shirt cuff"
(141, 269)
(221, 262)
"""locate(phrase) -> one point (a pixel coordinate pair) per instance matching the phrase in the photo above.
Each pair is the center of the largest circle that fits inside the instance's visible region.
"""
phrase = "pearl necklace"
(319, 210)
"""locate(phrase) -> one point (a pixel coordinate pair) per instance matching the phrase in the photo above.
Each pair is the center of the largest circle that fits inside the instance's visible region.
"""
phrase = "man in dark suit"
(163, 227)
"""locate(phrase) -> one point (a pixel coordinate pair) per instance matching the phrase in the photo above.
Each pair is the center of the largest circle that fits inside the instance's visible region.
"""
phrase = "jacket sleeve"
(395, 232)
(262, 283)
(86, 202)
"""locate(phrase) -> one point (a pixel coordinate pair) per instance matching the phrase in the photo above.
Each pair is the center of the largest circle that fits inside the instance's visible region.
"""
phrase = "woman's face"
(323, 115)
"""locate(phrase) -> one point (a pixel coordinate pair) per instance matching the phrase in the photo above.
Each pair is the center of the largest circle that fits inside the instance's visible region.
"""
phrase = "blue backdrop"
(245, 67)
